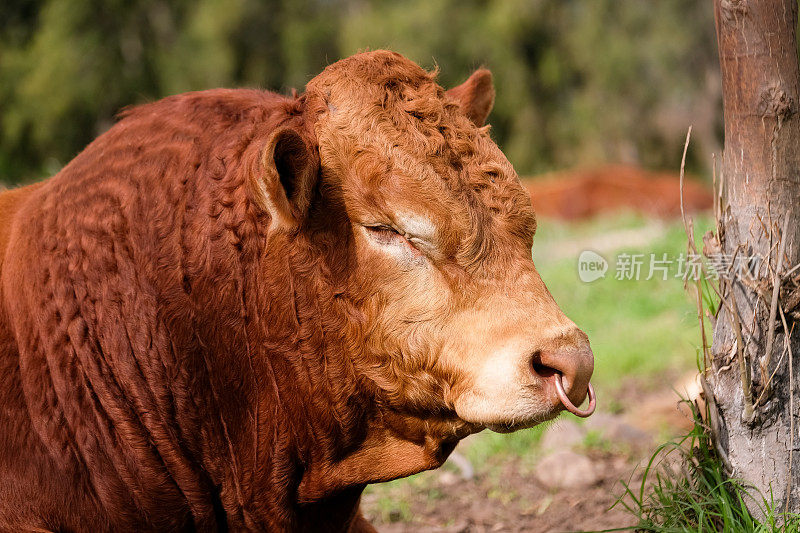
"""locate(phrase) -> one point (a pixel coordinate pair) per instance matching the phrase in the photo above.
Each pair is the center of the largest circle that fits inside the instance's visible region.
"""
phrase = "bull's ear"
(285, 183)
(475, 96)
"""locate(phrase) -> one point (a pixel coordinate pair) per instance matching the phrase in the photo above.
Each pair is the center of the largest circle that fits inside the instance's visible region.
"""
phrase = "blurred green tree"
(579, 81)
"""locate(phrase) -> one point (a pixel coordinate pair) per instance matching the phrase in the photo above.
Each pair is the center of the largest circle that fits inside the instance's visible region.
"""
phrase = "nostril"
(540, 368)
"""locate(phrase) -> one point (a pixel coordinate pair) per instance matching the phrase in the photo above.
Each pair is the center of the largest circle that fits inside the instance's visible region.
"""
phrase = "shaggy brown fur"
(195, 333)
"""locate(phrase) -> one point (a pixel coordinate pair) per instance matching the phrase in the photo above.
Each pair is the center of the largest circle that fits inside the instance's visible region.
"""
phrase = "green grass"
(684, 489)
(639, 328)
(392, 503)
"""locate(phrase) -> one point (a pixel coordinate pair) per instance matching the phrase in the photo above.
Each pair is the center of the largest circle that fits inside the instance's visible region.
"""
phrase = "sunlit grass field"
(638, 328)
(641, 331)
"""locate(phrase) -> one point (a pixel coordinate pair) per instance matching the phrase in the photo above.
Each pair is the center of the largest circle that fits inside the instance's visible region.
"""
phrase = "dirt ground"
(545, 495)
(468, 506)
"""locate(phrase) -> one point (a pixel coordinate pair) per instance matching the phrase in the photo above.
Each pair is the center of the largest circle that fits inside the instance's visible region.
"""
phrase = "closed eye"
(385, 234)
(389, 236)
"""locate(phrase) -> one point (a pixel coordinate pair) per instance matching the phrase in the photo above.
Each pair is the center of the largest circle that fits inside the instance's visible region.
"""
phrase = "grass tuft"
(684, 488)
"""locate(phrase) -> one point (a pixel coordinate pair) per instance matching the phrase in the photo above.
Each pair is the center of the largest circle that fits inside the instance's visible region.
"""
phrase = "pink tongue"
(562, 395)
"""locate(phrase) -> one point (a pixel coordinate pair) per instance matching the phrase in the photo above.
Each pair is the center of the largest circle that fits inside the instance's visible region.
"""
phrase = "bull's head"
(424, 224)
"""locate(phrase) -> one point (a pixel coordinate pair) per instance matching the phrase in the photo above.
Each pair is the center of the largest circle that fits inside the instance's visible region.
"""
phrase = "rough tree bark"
(753, 410)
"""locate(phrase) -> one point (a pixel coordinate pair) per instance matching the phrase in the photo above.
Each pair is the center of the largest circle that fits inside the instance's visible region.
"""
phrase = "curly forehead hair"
(400, 96)
(384, 93)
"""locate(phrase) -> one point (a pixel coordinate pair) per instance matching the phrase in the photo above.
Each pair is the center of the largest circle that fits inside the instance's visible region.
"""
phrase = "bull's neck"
(306, 426)
(300, 403)
(349, 434)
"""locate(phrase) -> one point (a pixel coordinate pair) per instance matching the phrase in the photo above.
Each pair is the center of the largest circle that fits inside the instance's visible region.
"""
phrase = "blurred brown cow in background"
(583, 193)
(234, 310)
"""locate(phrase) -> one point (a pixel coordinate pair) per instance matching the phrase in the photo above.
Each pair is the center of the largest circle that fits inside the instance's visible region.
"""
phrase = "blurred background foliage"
(579, 82)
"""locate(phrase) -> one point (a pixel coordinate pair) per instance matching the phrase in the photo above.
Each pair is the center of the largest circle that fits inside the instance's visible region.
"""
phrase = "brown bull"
(234, 310)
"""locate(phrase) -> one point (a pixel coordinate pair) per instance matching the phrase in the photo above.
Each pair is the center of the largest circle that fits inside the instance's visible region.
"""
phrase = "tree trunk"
(755, 412)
